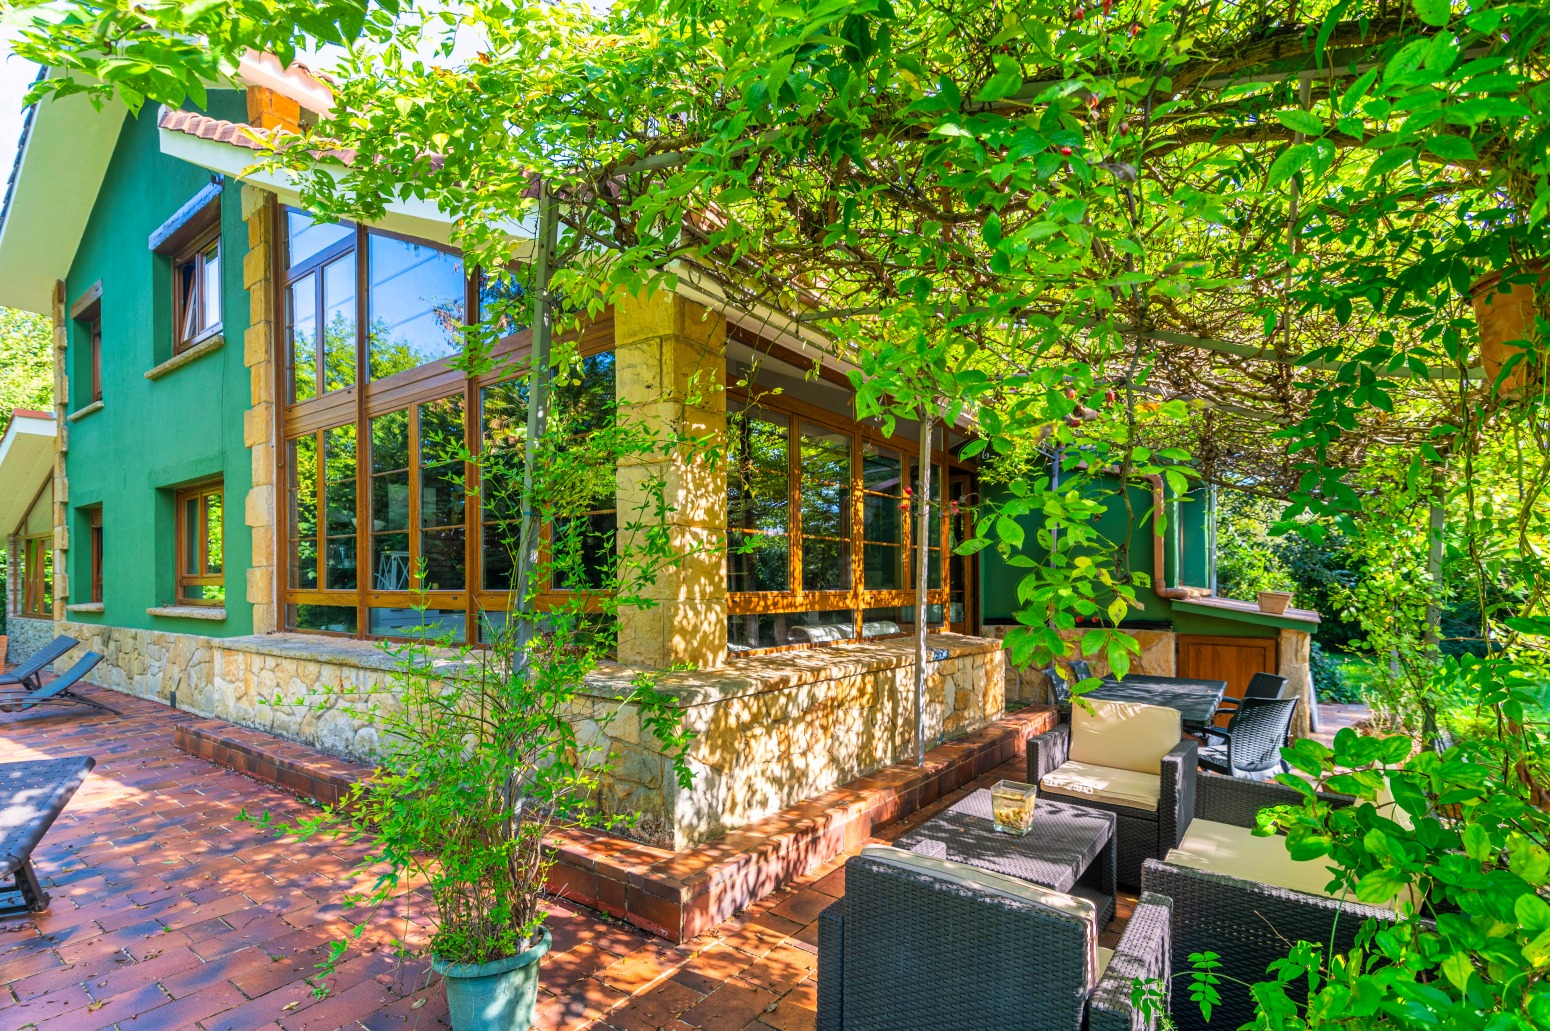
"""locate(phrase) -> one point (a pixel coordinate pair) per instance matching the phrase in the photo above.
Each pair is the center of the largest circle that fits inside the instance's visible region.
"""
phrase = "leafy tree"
(26, 362)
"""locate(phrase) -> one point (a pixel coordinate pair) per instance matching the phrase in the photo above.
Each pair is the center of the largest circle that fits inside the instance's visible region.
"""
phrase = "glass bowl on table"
(1011, 806)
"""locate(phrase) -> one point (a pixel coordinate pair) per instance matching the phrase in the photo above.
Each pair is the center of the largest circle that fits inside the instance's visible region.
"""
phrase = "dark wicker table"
(1195, 701)
(1069, 849)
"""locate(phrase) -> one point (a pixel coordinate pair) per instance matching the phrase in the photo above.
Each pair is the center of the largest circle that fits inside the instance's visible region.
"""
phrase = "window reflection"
(442, 537)
(758, 501)
(339, 508)
(390, 561)
(825, 508)
(416, 304)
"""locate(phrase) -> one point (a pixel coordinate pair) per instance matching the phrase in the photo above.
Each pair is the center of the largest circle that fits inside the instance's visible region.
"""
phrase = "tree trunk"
(922, 578)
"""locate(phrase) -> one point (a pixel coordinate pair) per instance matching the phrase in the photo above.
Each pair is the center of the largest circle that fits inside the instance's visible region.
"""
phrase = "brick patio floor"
(168, 912)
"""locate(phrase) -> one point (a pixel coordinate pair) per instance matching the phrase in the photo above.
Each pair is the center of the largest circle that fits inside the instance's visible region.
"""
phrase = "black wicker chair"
(1080, 669)
(1141, 833)
(1059, 692)
(1249, 925)
(905, 950)
(1252, 740)
(1261, 685)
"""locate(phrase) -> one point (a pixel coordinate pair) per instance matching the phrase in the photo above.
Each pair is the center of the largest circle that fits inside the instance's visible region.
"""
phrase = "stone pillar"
(61, 511)
(671, 376)
(1297, 667)
(258, 424)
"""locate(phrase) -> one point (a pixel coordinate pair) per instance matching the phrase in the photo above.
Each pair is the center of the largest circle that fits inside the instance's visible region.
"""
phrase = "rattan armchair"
(1247, 923)
(1142, 833)
(906, 950)
(1252, 740)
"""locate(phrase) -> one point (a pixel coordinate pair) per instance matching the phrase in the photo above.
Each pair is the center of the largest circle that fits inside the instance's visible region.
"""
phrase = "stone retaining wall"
(1158, 657)
(775, 729)
(26, 636)
(769, 731)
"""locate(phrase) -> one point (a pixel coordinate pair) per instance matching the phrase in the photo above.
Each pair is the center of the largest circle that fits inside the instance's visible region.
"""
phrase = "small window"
(201, 546)
(95, 517)
(38, 577)
(196, 285)
(86, 313)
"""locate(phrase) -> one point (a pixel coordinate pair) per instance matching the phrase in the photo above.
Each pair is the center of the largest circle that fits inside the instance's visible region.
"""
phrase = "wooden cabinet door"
(1233, 659)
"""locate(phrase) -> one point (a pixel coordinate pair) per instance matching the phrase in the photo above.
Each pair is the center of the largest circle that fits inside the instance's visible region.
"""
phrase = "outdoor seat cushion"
(1234, 851)
(1115, 786)
(999, 884)
(1124, 735)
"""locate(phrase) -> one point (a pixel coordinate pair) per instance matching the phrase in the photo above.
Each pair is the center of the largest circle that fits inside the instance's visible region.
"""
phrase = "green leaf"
(1390, 160)
(1451, 148)
(1298, 120)
(1007, 81)
(1433, 12)
(1010, 531)
(1477, 843)
(1532, 912)
(1457, 968)
(1290, 162)
(1381, 885)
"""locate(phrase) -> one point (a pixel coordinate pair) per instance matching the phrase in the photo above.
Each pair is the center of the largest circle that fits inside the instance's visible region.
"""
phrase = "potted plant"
(1274, 602)
(1508, 305)
(484, 752)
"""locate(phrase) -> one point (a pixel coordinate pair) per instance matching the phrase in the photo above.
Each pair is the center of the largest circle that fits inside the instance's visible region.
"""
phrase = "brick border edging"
(675, 895)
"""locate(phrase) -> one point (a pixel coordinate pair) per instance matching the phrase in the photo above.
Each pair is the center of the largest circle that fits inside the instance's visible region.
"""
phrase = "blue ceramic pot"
(495, 996)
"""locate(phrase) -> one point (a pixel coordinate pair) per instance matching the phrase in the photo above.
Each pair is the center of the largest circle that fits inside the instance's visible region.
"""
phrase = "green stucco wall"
(1189, 524)
(152, 436)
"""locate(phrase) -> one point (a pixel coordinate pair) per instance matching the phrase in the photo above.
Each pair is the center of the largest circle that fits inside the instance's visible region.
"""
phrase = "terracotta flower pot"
(1274, 602)
(1506, 318)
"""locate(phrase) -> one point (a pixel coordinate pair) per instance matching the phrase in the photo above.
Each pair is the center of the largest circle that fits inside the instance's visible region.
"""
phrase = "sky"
(15, 76)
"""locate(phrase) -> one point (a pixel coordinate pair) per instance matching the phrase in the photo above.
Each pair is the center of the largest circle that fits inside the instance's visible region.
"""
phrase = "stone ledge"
(214, 342)
(781, 670)
(336, 651)
(85, 606)
(81, 413)
(205, 612)
(679, 895)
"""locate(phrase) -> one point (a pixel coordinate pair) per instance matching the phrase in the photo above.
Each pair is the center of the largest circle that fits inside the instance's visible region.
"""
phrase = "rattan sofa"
(1249, 924)
(1142, 833)
(907, 949)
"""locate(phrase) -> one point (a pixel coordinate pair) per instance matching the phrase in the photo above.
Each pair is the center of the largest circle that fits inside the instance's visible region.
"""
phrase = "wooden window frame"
(185, 307)
(367, 399)
(34, 550)
(202, 577)
(86, 313)
(94, 531)
(857, 599)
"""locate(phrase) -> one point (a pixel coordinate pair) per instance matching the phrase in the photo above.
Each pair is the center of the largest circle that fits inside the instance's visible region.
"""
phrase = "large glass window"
(37, 533)
(758, 500)
(882, 522)
(853, 491)
(416, 304)
(825, 495)
(371, 319)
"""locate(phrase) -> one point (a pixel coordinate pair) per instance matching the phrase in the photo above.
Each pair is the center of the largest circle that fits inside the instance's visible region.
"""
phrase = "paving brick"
(152, 841)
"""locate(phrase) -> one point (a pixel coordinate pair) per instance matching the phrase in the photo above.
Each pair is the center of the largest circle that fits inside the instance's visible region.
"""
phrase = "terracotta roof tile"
(192, 123)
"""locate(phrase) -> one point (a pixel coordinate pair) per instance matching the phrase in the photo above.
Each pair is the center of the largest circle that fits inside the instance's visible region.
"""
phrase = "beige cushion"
(1011, 887)
(1225, 849)
(1103, 784)
(1124, 735)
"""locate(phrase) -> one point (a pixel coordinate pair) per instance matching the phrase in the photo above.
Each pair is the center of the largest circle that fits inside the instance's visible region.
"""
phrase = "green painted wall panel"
(153, 436)
(998, 581)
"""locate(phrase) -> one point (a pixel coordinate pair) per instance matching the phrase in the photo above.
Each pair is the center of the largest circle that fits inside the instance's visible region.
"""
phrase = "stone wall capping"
(85, 606)
(340, 651)
(206, 612)
(81, 413)
(779, 671)
(210, 344)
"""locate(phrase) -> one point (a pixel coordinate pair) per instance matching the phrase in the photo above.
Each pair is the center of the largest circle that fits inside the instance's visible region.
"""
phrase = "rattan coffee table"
(1069, 849)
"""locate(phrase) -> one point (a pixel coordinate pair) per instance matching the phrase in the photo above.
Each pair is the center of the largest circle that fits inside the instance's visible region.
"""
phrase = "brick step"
(676, 895)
